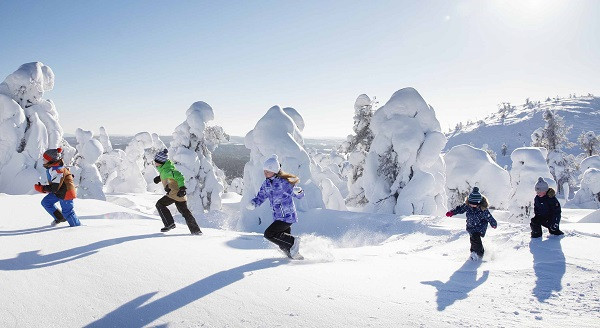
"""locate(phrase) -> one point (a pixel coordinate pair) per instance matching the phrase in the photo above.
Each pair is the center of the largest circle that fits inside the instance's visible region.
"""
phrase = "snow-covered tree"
(553, 137)
(86, 174)
(588, 196)
(356, 147)
(191, 149)
(132, 170)
(589, 142)
(490, 152)
(28, 127)
(504, 149)
(104, 140)
(404, 172)
(237, 186)
(468, 167)
(528, 164)
(277, 132)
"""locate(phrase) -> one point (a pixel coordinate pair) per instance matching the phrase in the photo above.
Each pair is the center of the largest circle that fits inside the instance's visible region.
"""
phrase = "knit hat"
(161, 157)
(272, 164)
(53, 155)
(541, 185)
(475, 197)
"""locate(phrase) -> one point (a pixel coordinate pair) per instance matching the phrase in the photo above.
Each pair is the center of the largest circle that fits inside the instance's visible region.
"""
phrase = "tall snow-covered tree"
(404, 171)
(191, 152)
(357, 146)
(589, 142)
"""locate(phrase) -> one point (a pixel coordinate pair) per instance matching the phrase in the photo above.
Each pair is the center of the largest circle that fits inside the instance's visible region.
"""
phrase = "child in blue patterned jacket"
(478, 216)
(279, 188)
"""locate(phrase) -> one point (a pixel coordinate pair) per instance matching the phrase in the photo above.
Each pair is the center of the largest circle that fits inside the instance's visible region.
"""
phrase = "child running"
(546, 209)
(279, 188)
(173, 182)
(60, 188)
(478, 216)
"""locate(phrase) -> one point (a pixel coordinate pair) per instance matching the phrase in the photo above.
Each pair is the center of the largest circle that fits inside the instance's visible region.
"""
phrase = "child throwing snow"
(546, 209)
(173, 183)
(478, 217)
(279, 188)
(60, 188)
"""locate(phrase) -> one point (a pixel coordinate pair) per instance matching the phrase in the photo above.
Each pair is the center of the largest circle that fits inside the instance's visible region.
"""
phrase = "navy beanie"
(475, 197)
(161, 157)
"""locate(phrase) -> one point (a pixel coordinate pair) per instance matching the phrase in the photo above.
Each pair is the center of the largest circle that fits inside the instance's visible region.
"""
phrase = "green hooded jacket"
(171, 178)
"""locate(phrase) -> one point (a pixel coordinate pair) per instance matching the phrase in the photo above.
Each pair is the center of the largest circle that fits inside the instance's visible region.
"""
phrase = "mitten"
(157, 180)
(181, 192)
(449, 213)
(298, 190)
(250, 206)
(38, 187)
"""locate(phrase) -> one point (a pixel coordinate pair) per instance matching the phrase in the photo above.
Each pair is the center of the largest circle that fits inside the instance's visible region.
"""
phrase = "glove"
(157, 180)
(167, 189)
(449, 213)
(494, 226)
(39, 188)
(298, 190)
(181, 192)
(250, 206)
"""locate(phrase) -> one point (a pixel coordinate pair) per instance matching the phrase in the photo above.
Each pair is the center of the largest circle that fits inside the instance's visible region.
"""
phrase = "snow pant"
(68, 212)
(476, 244)
(537, 222)
(167, 218)
(279, 233)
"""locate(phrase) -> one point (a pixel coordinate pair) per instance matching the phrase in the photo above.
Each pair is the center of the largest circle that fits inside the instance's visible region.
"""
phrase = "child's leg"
(189, 218)
(69, 212)
(476, 244)
(164, 212)
(278, 233)
(536, 227)
(49, 204)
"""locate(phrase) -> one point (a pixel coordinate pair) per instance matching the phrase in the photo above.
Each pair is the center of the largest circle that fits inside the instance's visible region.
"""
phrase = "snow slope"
(361, 270)
(583, 113)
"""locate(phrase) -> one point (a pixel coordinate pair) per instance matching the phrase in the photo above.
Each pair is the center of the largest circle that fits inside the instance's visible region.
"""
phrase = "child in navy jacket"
(478, 217)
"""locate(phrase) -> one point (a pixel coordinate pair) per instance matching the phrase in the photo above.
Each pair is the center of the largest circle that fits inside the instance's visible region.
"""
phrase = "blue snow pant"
(49, 203)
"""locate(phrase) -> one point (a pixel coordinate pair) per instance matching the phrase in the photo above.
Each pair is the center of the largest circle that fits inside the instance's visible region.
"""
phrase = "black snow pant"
(537, 222)
(279, 233)
(476, 244)
(167, 218)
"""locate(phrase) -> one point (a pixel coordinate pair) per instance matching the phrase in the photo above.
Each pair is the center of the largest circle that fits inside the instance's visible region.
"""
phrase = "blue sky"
(136, 66)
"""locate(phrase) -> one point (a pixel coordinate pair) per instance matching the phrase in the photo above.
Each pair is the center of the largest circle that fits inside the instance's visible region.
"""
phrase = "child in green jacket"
(173, 183)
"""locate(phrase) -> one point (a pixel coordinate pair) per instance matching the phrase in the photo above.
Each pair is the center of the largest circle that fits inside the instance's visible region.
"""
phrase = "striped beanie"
(161, 157)
(53, 155)
(475, 197)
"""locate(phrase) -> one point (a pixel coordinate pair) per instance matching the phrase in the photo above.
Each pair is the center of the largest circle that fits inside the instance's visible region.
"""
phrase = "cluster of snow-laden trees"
(392, 163)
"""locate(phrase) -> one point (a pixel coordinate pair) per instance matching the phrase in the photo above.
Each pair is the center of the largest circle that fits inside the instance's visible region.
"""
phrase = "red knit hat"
(53, 155)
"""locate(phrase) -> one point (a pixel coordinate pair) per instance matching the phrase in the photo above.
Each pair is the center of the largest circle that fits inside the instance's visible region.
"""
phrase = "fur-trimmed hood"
(483, 205)
(551, 193)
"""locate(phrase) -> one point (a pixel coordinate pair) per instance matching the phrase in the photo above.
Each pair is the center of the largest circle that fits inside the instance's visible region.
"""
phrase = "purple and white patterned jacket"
(280, 193)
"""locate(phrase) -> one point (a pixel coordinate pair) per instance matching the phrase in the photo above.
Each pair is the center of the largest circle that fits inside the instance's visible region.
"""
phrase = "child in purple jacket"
(279, 188)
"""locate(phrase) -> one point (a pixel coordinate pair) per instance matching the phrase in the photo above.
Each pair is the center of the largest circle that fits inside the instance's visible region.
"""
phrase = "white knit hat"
(272, 164)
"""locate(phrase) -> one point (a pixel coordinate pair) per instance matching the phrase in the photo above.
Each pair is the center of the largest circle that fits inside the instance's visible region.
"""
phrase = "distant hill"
(513, 125)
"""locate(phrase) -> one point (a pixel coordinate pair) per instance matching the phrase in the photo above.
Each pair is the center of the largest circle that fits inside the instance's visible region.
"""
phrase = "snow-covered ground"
(361, 270)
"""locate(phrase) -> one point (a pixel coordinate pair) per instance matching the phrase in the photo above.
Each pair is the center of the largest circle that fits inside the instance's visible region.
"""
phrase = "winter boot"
(167, 228)
(295, 247)
(536, 230)
(556, 232)
(73, 220)
(474, 257)
(197, 233)
(59, 218)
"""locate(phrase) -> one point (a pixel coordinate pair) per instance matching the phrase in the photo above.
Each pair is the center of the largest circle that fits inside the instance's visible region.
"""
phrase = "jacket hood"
(551, 192)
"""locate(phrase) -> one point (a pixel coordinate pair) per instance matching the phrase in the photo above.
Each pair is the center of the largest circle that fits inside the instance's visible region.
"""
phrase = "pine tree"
(504, 149)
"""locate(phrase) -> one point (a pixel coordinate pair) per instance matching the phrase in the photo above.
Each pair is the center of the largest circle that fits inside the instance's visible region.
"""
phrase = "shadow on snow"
(460, 284)
(134, 314)
(549, 266)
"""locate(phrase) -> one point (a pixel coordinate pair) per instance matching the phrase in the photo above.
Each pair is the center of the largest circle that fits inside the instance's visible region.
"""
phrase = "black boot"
(167, 228)
(58, 218)
(536, 230)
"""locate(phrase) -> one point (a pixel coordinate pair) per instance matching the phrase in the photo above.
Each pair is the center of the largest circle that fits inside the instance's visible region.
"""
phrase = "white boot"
(474, 256)
(295, 247)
